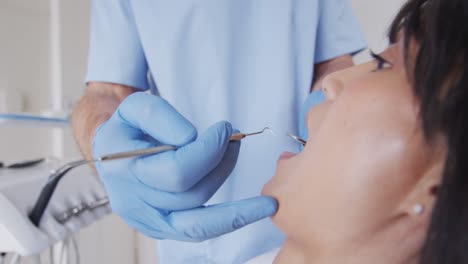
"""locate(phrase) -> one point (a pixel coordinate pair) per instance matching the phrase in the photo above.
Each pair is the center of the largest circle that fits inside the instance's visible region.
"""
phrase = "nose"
(332, 85)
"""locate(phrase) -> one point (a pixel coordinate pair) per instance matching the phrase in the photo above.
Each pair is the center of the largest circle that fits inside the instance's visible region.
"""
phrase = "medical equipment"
(22, 164)
(33, 119)
(19, 189)
(79, 209)
(298, 139)
(54, 178)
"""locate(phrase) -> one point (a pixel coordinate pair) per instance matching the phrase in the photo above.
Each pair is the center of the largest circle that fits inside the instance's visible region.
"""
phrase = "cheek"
(315, 117)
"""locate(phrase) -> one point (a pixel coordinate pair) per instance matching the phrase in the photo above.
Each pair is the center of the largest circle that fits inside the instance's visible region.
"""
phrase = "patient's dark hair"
(437, 68)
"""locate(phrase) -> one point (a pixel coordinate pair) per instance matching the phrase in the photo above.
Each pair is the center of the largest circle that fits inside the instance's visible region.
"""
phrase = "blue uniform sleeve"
(338, 31)
(116, 54)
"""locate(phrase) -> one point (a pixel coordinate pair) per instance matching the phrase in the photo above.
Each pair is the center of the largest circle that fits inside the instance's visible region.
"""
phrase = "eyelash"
(381, 62)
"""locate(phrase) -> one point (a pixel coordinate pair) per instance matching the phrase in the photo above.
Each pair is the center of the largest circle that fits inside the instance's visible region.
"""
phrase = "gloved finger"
(136, 212)
(178, 171)
(201, 192)
(204, 223)
(314, 98)
(115, 136)
(150, 222)
(156, 117)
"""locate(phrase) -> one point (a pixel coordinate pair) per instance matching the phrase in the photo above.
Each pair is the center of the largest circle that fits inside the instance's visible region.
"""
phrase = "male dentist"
(251, 62)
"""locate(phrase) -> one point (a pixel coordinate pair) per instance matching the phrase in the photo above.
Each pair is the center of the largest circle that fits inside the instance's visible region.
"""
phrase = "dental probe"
(298, 139)
(159, 149)
(47, 191)
(239, 136)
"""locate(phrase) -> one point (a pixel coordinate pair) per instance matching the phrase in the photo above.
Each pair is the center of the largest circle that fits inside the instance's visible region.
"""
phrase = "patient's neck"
(380, 250)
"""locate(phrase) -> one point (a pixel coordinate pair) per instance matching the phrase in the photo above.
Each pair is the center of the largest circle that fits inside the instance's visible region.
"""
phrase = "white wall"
(375, 16)
(24, 50)
(24, 70)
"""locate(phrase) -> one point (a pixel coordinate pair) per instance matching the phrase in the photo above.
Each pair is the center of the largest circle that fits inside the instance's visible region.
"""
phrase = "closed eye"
(382, 63)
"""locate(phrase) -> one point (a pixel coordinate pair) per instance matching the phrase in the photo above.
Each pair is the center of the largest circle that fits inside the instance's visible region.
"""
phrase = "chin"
(267, 189)
(273, 188)
(270, 190)
(279, 180)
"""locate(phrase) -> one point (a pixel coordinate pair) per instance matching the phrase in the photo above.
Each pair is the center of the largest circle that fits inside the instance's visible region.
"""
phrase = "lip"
(286, 155)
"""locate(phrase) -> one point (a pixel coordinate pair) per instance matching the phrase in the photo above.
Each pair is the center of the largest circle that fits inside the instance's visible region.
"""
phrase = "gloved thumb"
(313, 99)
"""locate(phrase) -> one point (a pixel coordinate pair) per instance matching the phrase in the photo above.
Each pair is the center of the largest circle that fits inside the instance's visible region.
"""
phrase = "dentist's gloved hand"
(162, 195)
(314, 98)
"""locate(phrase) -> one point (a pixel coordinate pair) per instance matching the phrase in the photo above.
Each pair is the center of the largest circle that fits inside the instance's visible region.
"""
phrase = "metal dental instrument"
(47, 191)
(81, 208)
(239, 136)
(298, 139)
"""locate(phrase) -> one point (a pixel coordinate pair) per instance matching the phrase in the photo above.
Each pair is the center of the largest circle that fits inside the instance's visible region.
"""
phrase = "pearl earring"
(418, 209)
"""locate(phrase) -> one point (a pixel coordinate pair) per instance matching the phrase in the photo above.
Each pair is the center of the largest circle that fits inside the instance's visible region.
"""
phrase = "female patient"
(384, 176)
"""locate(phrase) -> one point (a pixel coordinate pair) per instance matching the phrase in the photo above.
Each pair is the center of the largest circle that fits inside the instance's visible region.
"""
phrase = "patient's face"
(364, 154)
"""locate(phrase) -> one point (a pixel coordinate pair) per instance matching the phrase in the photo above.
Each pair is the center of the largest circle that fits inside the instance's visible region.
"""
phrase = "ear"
(420, 202)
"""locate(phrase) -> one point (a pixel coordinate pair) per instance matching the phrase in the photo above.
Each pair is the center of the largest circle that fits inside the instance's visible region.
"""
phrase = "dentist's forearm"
(96, 106)
(324, 68)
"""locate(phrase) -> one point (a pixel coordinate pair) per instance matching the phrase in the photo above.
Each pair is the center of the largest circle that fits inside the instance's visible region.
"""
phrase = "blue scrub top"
(250, 62)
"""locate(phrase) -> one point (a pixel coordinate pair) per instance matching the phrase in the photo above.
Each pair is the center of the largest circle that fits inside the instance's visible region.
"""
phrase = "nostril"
(332, 88)
(332, 84)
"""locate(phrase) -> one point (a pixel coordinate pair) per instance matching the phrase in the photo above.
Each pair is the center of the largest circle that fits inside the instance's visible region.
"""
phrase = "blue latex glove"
(313, 99)
(162, 195)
